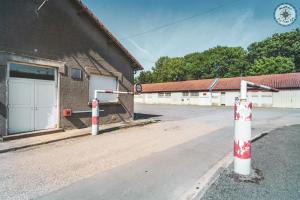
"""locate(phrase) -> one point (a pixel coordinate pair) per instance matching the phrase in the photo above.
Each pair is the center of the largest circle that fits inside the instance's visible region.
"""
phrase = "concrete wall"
(283, 98)
(64, 33)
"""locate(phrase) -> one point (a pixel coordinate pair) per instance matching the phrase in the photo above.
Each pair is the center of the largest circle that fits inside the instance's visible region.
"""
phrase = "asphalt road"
(277, 157)
(170, 173)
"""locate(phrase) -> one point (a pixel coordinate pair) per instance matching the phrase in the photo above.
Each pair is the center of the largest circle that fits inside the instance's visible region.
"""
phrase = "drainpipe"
(216, 81)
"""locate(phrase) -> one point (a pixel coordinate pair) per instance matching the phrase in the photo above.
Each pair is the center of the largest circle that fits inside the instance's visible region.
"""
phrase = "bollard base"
(242, 166)
(256, 176)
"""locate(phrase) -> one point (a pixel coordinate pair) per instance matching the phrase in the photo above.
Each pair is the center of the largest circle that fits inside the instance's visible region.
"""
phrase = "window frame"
(185, 94)
(10, 63)
(168, 94)
(194, 94)
(75, 78)
(160, 94)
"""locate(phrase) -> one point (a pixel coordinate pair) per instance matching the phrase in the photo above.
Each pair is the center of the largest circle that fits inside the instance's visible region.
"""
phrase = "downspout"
(212, 86)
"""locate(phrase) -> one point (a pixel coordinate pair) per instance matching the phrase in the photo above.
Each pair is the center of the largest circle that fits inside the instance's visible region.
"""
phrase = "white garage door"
(103, 83)
(32, 101)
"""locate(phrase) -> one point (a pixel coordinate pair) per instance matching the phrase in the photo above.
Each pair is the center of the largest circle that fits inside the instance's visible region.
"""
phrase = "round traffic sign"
(138, 88)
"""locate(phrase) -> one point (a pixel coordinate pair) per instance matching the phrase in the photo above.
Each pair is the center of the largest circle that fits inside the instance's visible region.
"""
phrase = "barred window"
(194, 94)
(167, 94)
(161, 94)
(185, 94)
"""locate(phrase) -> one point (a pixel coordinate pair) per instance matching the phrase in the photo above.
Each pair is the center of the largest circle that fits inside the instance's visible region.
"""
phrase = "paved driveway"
(218, 116)
(158, 161)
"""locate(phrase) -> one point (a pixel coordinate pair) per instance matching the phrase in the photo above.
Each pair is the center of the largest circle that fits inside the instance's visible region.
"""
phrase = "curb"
(203, 184)
(143, 123)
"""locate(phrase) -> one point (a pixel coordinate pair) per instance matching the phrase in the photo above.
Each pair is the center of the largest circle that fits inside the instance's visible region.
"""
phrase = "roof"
(278, 81)
(196, 85)
(108, 33)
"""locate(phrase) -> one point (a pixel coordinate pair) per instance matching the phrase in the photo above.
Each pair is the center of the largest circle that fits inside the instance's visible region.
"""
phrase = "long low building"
(223, 91)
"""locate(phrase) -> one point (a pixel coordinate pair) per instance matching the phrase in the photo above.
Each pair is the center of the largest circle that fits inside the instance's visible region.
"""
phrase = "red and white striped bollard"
(242, 137)
(95, 116)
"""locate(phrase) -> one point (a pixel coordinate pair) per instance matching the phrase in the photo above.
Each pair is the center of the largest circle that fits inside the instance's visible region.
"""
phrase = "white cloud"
(141, 49)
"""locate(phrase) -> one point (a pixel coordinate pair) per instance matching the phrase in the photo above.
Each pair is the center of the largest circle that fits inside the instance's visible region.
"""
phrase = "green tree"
(144, 77)
(216, 62)
(280, 44)
(277, 54)
(169, 69)
(272, 65)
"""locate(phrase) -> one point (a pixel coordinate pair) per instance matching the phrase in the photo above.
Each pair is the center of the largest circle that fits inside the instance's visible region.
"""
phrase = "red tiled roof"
(279, 81)
(109, 34)
(195, 85)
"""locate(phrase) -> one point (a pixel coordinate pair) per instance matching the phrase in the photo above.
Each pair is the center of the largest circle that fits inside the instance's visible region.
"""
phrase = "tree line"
(277, 54)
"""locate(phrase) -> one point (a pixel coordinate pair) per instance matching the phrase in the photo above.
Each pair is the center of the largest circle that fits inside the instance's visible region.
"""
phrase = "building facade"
(51, 59)
(222, 92)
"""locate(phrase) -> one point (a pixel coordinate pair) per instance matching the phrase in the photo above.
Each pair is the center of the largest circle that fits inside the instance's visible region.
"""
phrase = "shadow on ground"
(144, 116)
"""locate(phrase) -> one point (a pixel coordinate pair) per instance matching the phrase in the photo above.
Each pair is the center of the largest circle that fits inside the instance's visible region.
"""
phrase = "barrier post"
(242, 137)
(242, 128)
(95, 108)
(95, 116)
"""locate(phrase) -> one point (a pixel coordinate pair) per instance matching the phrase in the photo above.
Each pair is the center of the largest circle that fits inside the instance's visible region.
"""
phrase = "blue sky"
(218, 22)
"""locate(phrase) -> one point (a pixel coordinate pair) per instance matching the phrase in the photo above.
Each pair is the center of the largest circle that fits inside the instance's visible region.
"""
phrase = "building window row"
(164, 94)
(192, 94)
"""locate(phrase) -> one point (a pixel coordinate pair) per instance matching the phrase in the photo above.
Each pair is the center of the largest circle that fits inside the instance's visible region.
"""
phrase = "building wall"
(64, 33)
(3, 109)
(287, 98)
(283, 98)
(175, 98)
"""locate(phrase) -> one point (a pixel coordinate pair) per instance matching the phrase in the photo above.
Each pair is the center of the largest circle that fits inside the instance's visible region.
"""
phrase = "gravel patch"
(276, 164)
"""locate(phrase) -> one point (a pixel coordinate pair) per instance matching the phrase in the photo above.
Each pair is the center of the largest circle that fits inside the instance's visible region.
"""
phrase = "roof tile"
(279, 81)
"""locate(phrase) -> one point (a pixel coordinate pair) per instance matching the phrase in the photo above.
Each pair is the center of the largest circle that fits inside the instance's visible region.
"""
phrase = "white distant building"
(222, 92)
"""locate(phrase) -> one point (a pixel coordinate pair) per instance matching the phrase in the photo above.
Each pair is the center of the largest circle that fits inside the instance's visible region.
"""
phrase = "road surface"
(171, 173)
(157, 161)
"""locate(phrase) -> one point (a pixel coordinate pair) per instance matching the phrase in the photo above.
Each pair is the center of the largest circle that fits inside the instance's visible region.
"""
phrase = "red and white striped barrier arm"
(245, 84)
(110, 92)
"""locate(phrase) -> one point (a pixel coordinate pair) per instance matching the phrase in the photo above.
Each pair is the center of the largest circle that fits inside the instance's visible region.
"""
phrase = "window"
(185, 94)
(194, 94)
(32, 72)
(76, 73)
(167, 94)
(164, 94)
(161, 94)
(103, 83)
